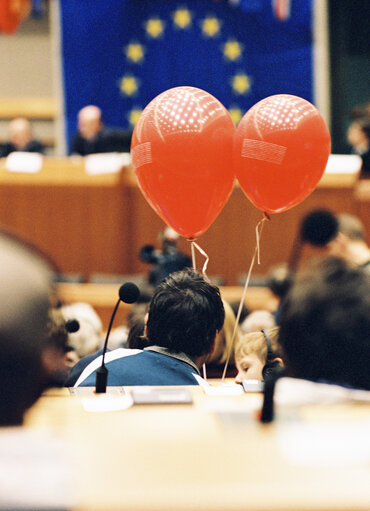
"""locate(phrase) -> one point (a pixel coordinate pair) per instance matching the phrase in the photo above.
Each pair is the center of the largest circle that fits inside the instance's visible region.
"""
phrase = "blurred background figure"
(93, 137)
(256, 321)
(358, 136)
(342, 235)
(165, 261)
(88, 338)
(21, 138)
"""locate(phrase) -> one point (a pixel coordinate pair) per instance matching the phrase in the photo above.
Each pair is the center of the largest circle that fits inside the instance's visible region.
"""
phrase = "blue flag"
(120, 54)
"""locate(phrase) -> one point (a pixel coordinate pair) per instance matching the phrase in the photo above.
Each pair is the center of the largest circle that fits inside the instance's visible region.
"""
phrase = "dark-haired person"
(185, 314)
(25, 289)
(325, 325)
(343, 235)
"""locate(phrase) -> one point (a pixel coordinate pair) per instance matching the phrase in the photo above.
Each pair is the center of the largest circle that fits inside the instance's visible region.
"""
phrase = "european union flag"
(120, 54)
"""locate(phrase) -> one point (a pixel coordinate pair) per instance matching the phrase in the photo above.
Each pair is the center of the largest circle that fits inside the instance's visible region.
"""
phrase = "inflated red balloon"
(281, 148)
(182, 157)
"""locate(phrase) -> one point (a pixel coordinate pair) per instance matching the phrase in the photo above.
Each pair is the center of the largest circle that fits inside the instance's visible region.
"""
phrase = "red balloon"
(280, 152)
(182, 157)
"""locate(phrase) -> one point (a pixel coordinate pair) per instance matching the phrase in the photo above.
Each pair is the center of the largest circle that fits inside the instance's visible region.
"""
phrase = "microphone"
(72, 326)
(128, 293)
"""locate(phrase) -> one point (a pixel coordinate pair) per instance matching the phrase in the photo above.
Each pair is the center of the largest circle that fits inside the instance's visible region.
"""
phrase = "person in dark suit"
(93, 137)
(20, 138)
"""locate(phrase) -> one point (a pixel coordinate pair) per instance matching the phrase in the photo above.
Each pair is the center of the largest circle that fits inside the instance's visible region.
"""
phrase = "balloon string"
(259, 228)
(193, 247)
(201, 251)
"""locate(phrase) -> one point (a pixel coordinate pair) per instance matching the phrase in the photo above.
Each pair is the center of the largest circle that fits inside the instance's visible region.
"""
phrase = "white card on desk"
(21, 161)
(106, 163)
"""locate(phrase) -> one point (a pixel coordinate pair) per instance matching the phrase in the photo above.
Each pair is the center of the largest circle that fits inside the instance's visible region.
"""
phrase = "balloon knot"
(266, 216)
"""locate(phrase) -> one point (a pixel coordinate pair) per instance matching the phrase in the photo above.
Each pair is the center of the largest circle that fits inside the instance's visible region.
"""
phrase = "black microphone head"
(72, 326)
(129, 292)
(319, 227)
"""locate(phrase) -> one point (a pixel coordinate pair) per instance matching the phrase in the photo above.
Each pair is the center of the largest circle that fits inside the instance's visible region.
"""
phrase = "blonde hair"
(255, 343)
(224, 338)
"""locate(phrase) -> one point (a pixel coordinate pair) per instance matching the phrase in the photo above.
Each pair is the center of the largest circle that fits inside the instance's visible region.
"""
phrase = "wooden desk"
(97, 224)
(192, 457)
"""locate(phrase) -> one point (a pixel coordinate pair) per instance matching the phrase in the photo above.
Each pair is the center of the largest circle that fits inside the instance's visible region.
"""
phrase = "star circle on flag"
(182, 18)
(211, 26)
(134, 116)
(135, 52)
(240, 83)
(236, 114)
(232, 50)
(154, 27)
(129, 85)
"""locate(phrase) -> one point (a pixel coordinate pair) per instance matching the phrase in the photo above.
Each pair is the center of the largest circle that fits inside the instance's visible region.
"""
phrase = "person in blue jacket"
(185, 314)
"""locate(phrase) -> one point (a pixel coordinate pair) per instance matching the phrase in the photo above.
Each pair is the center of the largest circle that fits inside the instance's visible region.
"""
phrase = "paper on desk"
(21, 161)
(106, 163)
(107, 403)
(35, 471)
(226, 389)
(295, 392)
(325, 443)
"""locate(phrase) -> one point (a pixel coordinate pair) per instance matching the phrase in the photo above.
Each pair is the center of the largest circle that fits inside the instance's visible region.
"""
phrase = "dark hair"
(325, 325)
(185, 314)
(136, 338)
(319, 227)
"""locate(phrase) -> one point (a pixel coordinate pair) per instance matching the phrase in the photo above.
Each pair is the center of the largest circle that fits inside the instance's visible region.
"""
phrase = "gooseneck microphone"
(128, 293)
(72, 326)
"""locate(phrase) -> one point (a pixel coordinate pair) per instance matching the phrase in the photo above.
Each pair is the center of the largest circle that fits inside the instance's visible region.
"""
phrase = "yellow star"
(154, 27)
(129, 85)
(241, 83)
(182, 18)
(134, 116)
(134, 52)
(211, 26)
(232, 50)
(236, 114)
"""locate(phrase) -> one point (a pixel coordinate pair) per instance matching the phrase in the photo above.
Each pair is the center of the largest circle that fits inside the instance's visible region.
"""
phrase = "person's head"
(54, 356)
(325, 325)
(256, 354)
(88, 337)
(89, 121)
(350, 242)
(185, 314)
(358, 133)
(20, 132)
(256, 321)
(26, 285)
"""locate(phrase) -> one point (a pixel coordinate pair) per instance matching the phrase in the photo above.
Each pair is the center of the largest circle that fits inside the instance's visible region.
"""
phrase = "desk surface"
(211, 455)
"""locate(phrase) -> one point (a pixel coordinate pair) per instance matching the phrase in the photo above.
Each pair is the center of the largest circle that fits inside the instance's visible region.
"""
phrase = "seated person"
(20, 138)
(343, 236)
(256, 354)
(93, 137)
(185, 314)
(325, 325)
(26, 287)
(358, 136)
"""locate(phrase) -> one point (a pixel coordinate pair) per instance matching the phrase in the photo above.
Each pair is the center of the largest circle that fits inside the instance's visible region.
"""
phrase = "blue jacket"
(136, 367)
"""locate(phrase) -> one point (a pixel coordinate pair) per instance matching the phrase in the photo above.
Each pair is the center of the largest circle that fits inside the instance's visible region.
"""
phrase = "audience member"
(325, 325)
(224, 343)
(343, 235)
(256, 321)
(358, 136)
(20, 138)
(93, 137)
(26, 284)
(87, 339)
(279, 280)
(256, 354)
(185, 314)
